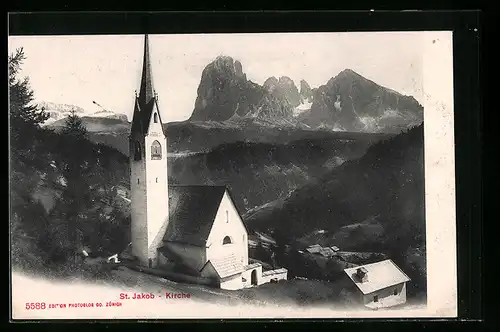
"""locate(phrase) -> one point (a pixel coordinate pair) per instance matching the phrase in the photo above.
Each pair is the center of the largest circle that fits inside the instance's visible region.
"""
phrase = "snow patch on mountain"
(378, 123)
(303, 106)
(60, 111)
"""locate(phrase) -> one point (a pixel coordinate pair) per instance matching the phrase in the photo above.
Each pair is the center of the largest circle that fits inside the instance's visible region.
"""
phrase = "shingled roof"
(227, 266)
(192, 211)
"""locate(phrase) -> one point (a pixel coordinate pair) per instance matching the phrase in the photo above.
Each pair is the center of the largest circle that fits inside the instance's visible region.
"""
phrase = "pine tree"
(74, 126)
(77, 190)
(24, 115)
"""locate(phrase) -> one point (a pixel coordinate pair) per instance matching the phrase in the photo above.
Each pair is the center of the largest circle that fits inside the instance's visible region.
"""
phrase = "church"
(193, 229)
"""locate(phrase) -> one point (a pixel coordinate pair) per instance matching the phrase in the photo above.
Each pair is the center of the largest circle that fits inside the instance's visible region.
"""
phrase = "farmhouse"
(192, 230)
(378, 285)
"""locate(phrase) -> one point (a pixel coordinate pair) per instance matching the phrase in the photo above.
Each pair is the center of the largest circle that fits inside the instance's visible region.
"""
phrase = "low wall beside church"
(274, 275)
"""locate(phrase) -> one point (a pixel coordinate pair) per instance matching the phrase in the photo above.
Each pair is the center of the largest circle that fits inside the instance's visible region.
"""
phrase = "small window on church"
(156, 180)
(227, 216)
(137, 180)
(155, 116)
(137, 151)
(227, 240)
(156, 150)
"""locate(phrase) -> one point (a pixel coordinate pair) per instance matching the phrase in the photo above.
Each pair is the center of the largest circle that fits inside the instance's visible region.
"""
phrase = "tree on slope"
(76, 196)
(24, 115)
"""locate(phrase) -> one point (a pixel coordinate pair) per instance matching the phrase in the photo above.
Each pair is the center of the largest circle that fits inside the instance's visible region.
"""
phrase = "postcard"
(256, 175)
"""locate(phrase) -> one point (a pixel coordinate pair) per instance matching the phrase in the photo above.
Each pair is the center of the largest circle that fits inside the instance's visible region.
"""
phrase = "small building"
(314, 249)
(335, 248)
(326, 252)
(377, 285)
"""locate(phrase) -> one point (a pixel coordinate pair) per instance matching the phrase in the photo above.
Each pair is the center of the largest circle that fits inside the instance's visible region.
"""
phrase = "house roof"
(192, 210)
(227, 266)
(380, 275)
(313, 250)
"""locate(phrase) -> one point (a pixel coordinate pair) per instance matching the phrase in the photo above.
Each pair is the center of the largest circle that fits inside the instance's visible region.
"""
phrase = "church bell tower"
(148, 170)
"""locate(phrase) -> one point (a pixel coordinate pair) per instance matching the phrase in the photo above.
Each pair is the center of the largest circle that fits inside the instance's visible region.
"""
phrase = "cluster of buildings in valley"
(197, 231)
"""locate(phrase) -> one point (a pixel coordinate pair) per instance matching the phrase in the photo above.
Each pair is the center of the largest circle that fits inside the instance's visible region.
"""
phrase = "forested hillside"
(373, 204)
(62, 187)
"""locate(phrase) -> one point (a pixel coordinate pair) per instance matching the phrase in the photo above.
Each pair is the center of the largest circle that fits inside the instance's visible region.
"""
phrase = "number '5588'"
(35, 306)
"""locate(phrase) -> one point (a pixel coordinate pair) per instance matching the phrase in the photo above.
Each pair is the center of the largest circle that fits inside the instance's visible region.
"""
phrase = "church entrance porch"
(254, 278)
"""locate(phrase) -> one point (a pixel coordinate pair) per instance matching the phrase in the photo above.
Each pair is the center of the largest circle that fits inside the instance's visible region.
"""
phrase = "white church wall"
(138, 210)
(232, 282)
(157, 189)
(268, 276)
(228, 223)
(386, 296)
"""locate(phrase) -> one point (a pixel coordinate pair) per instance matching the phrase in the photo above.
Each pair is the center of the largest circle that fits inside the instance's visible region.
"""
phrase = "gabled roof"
(142, 116)
(380, 275)
(192, 211)
(226, 266)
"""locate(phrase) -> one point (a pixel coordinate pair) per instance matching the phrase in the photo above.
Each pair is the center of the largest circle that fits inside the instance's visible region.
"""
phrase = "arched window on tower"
(137, 151)
(227, 240)
(156, 150)
(155, 116)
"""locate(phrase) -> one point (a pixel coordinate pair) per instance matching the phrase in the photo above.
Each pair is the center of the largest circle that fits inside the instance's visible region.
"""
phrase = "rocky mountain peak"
(228, 65)
(356, 103)
(225, 94)
(271, 83)
(305, 91)
(285, 80)
(283, 88)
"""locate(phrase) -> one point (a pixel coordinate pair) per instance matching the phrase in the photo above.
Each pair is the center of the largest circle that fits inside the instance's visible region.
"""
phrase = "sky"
(106, 68)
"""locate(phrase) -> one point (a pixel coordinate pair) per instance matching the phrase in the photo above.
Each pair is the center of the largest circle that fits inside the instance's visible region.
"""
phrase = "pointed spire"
(146, 93)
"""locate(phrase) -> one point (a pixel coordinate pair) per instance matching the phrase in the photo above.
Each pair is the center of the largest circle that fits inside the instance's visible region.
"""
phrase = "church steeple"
(148, 170)
(146, 99)
(146, 92)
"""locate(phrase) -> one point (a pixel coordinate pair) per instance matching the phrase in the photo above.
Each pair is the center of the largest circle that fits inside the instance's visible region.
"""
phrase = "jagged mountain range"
(347, 102)
(230, 108)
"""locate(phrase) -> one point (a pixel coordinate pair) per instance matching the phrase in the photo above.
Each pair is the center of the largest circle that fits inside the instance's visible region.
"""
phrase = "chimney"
(362, 274)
